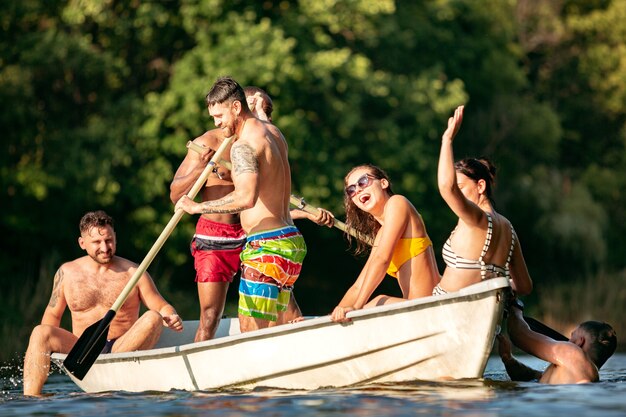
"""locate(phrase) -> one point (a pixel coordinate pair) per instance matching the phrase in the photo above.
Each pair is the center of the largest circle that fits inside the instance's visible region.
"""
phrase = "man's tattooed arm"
(243, 161)
(217, 206)
(58, 278)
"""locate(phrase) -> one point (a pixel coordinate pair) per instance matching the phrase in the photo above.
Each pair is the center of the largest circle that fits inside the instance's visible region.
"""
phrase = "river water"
(493, 395)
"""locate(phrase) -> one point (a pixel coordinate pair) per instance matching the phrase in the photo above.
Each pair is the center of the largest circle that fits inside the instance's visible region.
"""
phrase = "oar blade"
(88, 347)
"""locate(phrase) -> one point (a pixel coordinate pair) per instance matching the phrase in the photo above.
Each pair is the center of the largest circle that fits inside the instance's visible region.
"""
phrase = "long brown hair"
(359, 220)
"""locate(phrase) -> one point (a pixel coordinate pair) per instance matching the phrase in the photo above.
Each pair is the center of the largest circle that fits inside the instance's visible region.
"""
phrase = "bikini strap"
(508, 259)
(483, 268)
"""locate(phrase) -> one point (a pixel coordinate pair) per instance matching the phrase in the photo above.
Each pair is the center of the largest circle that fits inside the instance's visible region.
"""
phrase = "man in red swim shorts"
(216, 248)
(219, 238)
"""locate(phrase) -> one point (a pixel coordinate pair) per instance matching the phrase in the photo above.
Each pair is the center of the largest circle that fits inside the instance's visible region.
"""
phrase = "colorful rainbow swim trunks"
(270, 264)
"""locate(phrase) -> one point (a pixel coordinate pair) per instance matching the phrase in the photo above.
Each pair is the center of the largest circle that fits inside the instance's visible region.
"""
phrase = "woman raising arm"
(484, 244)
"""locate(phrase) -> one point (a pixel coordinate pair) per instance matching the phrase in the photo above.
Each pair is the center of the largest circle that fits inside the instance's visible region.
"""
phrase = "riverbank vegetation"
(98, 98)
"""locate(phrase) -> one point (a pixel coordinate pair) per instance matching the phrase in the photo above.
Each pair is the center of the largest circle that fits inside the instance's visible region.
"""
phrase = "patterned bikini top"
(455, 261)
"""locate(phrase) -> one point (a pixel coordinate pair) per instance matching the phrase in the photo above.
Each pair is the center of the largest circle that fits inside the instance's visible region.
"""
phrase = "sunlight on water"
(494, 395)
(11, 378)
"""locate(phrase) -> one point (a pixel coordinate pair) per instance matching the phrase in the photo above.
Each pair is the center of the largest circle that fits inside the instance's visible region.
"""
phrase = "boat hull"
(432, 338)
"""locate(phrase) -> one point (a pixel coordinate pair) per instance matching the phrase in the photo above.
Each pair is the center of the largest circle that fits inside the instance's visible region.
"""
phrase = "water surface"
(493, 395)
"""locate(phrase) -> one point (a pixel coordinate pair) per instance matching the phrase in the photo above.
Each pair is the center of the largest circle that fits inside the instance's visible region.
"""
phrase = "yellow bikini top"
(405, 249)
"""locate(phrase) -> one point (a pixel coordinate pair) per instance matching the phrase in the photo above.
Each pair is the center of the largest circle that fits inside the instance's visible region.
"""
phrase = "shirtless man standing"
(219, 238)
(274, 251)
(89, 286)
(576, 361)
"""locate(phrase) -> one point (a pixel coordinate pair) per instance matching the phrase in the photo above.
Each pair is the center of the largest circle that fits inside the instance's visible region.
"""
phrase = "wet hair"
(225, 89)
(268, 105)
(478, 169)
(358, 219)
(94, 219)
(602, 341)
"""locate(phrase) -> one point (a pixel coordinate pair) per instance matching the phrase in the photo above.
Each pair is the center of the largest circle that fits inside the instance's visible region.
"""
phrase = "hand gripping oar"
(303, 205)
(199, 149)
(297, 202)
(91, 342)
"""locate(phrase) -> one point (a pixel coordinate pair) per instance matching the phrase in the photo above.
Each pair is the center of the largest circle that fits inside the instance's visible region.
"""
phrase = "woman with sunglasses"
(484, 244)
(401, 247)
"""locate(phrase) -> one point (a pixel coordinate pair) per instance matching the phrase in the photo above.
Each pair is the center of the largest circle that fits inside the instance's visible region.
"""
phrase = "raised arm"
(466, 210)
(256, 105)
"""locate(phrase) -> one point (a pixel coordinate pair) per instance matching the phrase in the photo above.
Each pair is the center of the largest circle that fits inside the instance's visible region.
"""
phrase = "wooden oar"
(199, 149)
(303, 205)
(91, 342)
(296, 201)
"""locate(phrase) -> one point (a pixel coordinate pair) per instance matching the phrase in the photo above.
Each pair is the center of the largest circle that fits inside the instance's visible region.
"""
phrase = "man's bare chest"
(91, 291)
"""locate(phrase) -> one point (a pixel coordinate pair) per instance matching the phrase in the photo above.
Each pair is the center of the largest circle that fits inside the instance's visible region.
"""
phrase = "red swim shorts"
(216, 248)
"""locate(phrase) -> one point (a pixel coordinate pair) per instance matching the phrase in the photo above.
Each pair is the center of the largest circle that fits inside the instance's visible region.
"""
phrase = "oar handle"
(167, 231)
(303, 205)
(199, 149)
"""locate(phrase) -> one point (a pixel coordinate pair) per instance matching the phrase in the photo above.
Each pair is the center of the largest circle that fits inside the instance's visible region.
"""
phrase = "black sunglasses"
(363, 182)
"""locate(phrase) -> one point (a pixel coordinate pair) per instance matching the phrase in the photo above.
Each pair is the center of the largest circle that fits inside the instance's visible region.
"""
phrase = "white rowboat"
(432, 338)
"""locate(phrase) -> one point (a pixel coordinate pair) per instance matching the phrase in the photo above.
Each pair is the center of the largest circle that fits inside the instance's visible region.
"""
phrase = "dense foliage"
(99, 97)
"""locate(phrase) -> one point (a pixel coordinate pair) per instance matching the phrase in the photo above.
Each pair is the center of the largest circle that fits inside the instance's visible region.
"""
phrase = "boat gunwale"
(468, 293)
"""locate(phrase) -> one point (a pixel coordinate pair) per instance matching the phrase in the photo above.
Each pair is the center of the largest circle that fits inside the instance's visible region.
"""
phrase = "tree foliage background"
(99, 97)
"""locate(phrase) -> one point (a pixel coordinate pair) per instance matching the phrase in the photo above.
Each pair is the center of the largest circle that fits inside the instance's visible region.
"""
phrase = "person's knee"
(152, 319)
(40, 335)
(248, 324)
(210, 313)
(378, 300)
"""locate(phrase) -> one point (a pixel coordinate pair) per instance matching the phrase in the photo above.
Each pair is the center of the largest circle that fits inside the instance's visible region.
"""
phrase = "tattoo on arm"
(217, 206)
(58, 278)
(243, 159)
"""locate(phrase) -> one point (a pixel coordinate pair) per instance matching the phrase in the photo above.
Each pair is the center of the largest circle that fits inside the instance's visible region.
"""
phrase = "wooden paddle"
(199, 149)
(92, 341)
(297, 202)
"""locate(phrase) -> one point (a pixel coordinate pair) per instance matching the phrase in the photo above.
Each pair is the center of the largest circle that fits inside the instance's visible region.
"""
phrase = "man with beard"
(274, 251)
(89, 286)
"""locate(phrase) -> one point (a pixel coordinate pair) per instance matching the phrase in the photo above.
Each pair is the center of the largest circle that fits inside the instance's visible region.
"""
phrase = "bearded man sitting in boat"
(89, 286)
